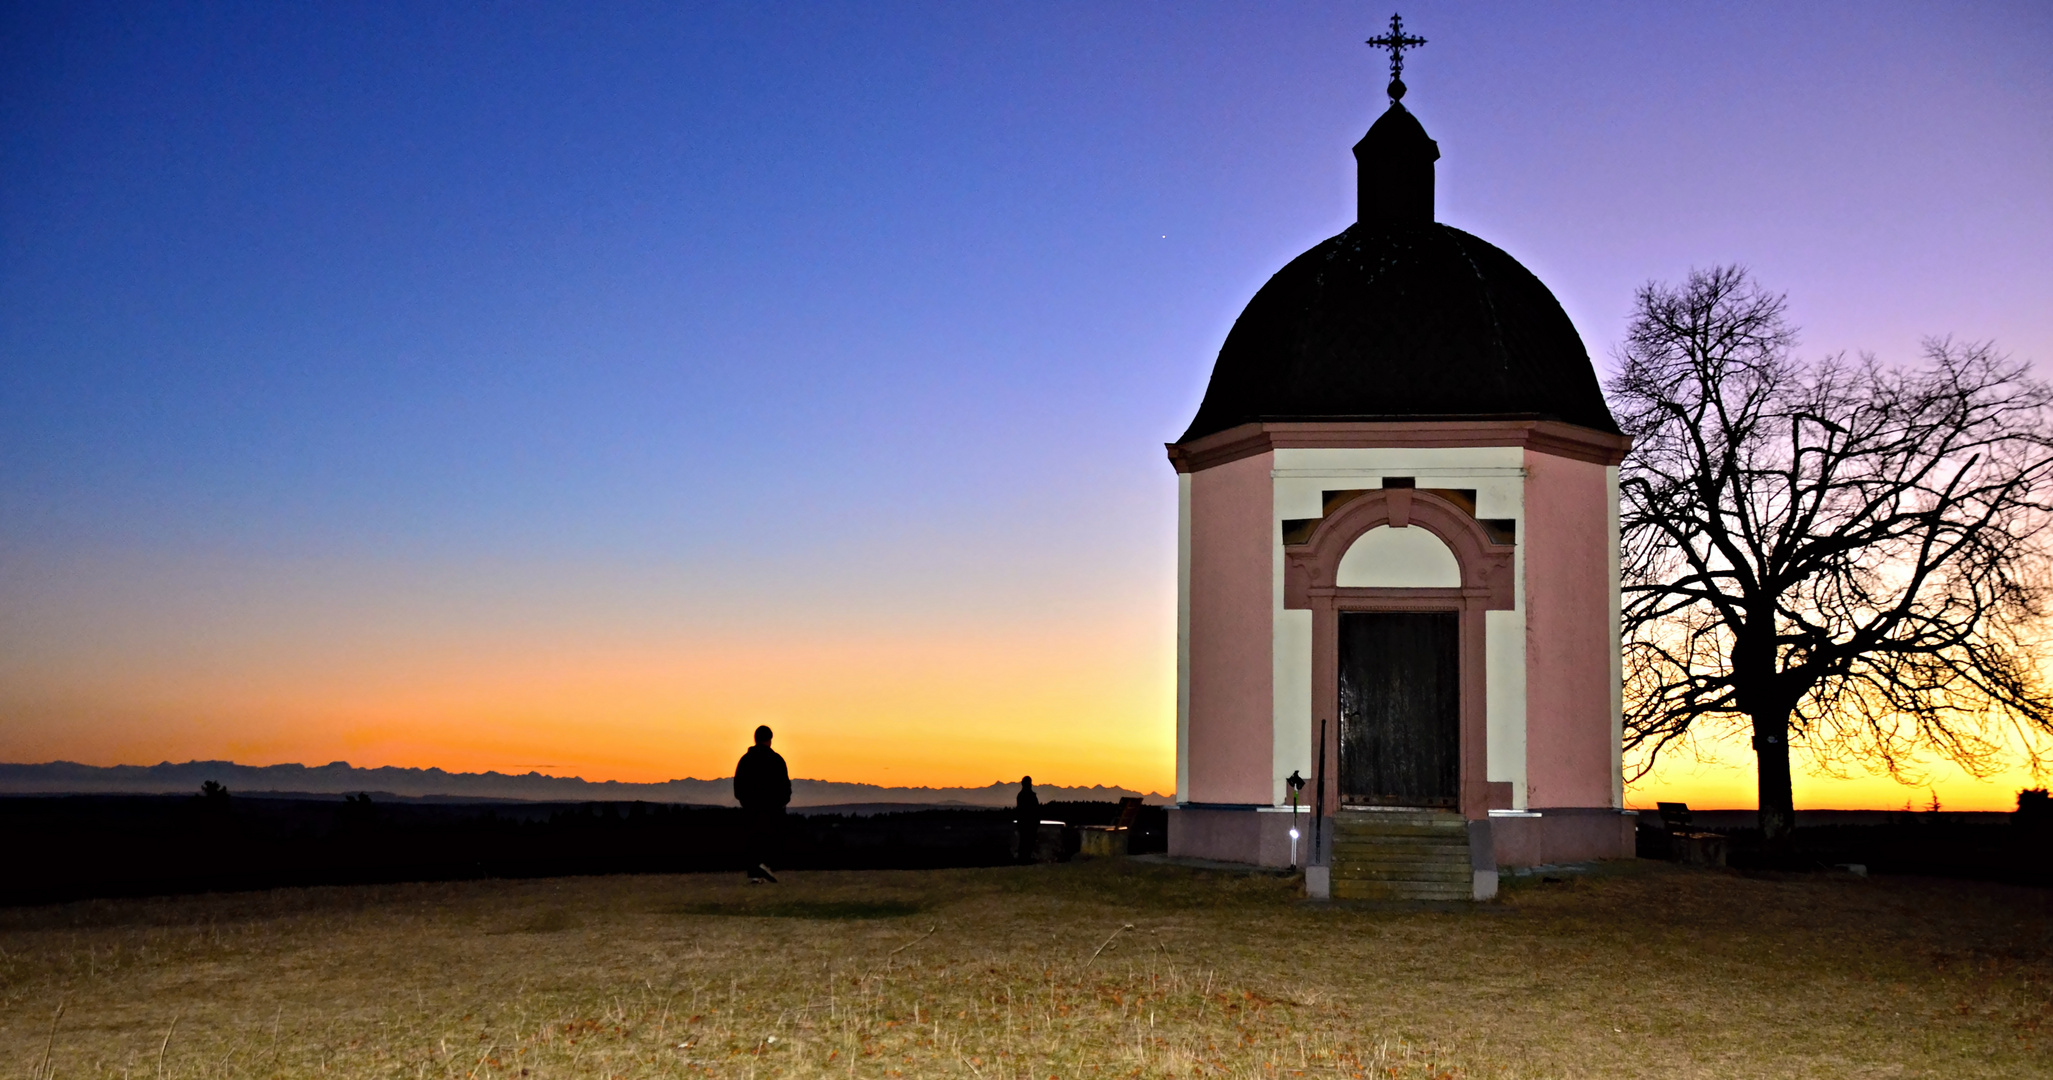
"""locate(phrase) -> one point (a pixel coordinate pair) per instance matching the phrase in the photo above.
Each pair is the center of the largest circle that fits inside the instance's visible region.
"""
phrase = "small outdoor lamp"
(1296, 784)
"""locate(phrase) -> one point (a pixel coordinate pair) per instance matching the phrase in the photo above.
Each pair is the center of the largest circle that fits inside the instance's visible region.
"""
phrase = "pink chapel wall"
(1567, 542)
(1232, 604)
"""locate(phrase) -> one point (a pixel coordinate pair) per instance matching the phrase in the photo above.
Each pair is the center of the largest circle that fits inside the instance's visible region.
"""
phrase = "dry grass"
(1090, 970)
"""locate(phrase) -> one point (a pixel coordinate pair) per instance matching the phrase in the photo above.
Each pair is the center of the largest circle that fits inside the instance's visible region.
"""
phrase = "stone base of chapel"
(1562, 834)
(1260, 836)
(1254, 835)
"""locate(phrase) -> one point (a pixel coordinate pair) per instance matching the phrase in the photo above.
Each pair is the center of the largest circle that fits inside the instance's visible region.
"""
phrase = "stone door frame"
(1487, 584)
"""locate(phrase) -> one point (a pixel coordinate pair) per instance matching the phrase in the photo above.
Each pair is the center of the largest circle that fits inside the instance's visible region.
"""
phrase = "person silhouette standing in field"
(1026, 818)
(762, 786)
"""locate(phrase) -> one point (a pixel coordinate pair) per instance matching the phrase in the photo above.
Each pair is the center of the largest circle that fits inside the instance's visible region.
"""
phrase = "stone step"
(1392, 858)
(1350, 858)
(1386, 896)
(1423, 836)
(1436, 836)
(1343, 857)
(1363, 890)
(1456, 876)
(1401, 855)
(1427, 884)
(1401, 843)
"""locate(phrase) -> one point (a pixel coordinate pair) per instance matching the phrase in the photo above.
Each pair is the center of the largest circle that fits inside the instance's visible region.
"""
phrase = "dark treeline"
(73, 847)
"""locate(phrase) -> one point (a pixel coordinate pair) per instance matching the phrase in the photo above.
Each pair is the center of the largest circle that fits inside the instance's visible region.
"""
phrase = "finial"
(1396, 41)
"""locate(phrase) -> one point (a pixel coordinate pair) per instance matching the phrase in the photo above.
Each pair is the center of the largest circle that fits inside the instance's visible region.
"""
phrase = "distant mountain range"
(339, 777)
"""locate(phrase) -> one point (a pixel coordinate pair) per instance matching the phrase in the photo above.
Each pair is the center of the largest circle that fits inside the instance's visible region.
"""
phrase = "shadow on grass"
(805, 909)
(830, 895)
(1132, 883)
(550, 921)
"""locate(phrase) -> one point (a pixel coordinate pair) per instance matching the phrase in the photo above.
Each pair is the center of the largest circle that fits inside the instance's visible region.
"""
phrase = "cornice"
(1551, 437)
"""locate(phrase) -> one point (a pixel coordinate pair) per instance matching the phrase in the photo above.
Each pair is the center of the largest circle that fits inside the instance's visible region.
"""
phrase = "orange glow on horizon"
(893, 710)
(420, 673)
(1723, 777)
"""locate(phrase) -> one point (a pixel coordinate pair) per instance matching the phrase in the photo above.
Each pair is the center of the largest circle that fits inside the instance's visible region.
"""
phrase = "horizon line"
(537, 774)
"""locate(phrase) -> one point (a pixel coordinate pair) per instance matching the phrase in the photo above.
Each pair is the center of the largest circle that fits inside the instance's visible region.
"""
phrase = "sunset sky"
(574, 387)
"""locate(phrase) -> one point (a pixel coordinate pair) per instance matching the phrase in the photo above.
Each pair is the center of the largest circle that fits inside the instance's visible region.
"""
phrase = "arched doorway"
(1397, 580)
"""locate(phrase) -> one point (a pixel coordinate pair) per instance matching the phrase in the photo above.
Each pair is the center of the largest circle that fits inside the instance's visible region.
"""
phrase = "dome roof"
(1400, 317)
(1402, 320)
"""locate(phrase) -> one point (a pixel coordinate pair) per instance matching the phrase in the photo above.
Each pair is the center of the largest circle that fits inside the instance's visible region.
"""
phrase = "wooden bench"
(1111, 841)
(1685, 843)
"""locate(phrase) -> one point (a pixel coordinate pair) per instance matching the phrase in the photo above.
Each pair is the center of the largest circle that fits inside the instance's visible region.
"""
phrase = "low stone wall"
(1562, 835)
(1251, 835)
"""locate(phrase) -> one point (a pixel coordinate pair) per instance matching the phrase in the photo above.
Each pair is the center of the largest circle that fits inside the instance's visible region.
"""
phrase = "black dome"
(1397, 319)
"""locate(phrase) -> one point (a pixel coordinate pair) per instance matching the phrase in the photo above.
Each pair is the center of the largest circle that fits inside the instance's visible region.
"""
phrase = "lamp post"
(1296, 784)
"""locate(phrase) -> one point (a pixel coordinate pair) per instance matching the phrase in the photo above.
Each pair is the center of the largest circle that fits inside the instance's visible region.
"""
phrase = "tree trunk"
(1777, 799)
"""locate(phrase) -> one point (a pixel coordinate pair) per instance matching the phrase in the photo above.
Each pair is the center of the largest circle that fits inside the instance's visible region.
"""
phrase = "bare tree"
(1844, 556)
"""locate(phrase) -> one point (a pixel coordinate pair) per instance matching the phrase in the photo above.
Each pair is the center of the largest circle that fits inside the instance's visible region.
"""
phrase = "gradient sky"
(575, 387)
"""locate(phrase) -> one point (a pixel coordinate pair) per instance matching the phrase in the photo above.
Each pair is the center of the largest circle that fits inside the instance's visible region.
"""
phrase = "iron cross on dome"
(1396, 41)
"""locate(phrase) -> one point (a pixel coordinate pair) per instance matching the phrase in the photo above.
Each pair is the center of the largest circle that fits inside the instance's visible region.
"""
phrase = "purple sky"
(328, 327)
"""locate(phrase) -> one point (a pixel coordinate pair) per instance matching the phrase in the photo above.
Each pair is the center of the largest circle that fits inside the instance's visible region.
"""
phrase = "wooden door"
(1400, 708)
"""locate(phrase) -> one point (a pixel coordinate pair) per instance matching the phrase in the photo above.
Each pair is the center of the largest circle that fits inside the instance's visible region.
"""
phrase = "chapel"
(1398, 656)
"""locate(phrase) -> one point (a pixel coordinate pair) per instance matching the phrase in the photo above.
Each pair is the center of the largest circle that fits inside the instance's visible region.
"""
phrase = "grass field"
(1105, 969)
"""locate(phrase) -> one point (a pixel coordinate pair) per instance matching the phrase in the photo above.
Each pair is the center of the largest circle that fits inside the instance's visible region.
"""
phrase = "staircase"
(1401, 854)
